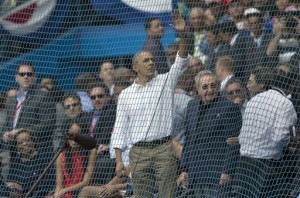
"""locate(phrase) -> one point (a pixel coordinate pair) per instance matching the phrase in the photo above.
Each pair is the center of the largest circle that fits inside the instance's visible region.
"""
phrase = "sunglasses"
(213, 86)
(27, 74)
(71, 105)
(100, 96)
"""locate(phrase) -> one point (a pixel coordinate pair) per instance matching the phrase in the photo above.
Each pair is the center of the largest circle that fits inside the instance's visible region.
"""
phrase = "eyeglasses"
(100, 96)
(212, 86)
(71, 105)
(27, 74)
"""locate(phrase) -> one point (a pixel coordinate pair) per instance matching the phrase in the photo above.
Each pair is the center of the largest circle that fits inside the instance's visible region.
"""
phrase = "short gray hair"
(200, 75)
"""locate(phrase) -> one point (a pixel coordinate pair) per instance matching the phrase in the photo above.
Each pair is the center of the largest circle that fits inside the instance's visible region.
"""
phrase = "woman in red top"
(74, 168)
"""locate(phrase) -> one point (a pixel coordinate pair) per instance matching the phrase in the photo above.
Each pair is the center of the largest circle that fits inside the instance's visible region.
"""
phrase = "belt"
(153, 143)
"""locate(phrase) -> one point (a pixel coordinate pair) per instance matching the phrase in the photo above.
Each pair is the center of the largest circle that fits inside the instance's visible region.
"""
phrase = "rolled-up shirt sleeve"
(118, 138)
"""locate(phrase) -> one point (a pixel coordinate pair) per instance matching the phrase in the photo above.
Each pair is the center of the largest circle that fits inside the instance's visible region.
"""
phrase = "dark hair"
(228, 27)
(291, 24)
(232, 81)
(22, 64)
(70, 95)
(84, 81)
(263, 76)
(56, 93)
(258, 15)
(148, 22)
(213, 29)
(101, 85)
(282, 80)
(32, 137)
(2, 100)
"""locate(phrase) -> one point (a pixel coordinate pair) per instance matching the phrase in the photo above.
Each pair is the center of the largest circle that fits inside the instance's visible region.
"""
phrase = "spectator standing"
(31, 109)
(214, 42)
(107, 75)
(49, 84)
(224, 71)
(2, 110)
(264, 136)
(255, 24)
(171, 54)
(239, 47)
(236, 93)
(259, 80)
(83, 84)
(155, 32)
(207, 162)
(101, 122)
(10, 93)
(144, 121)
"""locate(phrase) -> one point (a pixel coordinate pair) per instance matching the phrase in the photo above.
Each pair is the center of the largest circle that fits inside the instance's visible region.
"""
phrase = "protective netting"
(152, 98)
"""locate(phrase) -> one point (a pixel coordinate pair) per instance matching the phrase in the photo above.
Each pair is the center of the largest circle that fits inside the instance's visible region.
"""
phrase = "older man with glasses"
(207, 161)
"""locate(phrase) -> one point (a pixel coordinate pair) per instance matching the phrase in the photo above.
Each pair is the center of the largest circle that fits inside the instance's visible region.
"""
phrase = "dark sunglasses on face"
(100, 96)
(27, 74)
(212, 86)
(71, 105)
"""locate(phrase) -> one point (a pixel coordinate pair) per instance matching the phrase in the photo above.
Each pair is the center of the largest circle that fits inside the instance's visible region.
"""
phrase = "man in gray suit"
(31, 109)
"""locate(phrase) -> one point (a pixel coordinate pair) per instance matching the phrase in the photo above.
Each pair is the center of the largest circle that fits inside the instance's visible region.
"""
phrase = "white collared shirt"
(20, 98)
(266, 125)
(233, 40)
(224, 82)
(86, 101)
(181, 100)
(144, 113)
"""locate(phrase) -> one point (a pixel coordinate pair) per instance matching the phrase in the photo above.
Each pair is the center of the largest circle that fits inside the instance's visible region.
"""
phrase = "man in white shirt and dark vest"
(264, 137)
(144, 122)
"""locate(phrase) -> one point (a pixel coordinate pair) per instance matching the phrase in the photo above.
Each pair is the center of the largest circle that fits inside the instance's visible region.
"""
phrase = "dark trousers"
(259, 178)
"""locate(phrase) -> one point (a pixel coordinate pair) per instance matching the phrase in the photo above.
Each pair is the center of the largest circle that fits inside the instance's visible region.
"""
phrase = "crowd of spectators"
(215, 113)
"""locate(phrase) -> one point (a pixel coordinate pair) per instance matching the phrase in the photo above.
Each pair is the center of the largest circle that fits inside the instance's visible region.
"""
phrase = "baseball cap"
(252, 11)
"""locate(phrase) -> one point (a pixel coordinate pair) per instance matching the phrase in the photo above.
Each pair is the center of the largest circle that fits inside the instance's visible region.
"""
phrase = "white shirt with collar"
(145, 113)
(266, 125)
(86, 101)
(21, 96)
(181, 100)
(224, 82)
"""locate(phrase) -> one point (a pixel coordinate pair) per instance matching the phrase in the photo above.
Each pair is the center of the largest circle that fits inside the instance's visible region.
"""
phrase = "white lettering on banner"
(153, 6)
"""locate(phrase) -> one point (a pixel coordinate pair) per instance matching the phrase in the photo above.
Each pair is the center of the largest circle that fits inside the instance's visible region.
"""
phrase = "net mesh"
(184, 98)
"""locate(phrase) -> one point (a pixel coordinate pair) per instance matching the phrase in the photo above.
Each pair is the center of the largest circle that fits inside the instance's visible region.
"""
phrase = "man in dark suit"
(239, 45)
(102, 120)
(207, 161)
(31, 109)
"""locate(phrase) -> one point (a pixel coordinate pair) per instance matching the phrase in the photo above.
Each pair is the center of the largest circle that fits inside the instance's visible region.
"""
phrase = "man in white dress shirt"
(144, 121)
(264, 136)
